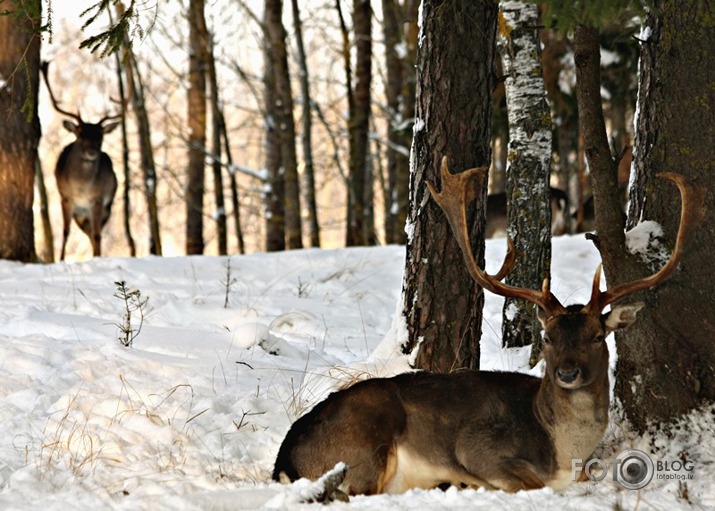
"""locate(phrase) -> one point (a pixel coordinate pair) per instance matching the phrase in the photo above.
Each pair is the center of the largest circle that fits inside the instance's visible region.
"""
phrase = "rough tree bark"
(441, 304)
(527, 171)
(20, 127)
(359, 230)
(665, 362)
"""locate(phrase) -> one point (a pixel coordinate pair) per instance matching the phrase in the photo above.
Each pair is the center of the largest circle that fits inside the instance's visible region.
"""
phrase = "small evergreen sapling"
(133, 304)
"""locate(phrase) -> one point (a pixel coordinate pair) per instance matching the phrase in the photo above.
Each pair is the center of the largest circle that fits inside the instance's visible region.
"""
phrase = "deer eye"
(599, 339)
(547, 339)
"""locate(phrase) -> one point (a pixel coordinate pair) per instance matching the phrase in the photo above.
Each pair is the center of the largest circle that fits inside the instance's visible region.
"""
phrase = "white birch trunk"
(527, 172)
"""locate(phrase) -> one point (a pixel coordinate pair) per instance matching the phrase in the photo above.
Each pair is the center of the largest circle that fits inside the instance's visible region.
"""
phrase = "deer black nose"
(568, 375)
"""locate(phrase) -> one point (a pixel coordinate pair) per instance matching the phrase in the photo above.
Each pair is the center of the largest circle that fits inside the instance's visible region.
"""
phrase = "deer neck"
(575, 419)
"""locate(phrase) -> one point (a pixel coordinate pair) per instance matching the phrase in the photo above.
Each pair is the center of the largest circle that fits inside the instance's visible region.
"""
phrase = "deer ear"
(542, 316)
(107, 128)
(70, 126)
(622, 316)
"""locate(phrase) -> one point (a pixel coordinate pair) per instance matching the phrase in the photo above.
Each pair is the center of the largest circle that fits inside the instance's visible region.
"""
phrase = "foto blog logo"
(632, 469)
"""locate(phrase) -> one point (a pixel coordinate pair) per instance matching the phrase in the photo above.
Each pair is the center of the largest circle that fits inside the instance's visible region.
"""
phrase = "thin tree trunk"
(441, 304)
(235, 202)
(216, 129)
(136, 86)
(125, 159)
(527, 171)
(196, 116)
(306, 135)
(392, 35)
(48, 250)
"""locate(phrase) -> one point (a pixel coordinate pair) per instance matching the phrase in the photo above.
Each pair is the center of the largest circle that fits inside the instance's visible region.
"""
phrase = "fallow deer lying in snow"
(496, 430)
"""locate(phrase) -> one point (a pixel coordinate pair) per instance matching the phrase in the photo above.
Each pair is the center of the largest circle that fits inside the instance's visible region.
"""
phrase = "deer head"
(573, 333)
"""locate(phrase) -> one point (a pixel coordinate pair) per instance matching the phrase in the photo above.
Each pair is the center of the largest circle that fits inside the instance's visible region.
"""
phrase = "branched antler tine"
(457, 190)
(691, 213)
(44, 67)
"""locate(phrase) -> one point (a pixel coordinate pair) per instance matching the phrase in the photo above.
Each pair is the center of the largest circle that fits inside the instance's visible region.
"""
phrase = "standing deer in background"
(85, 177)
(496, 430)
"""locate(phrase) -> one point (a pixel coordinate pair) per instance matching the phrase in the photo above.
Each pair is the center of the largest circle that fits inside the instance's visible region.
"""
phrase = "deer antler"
(457, 191)
(44, 67)
(691, 213)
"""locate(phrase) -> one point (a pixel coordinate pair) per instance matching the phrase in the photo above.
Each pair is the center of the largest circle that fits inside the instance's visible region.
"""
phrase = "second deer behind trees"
(85, 176)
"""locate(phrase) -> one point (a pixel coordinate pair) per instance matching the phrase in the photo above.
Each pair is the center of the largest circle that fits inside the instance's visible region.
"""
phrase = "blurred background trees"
(308, 114)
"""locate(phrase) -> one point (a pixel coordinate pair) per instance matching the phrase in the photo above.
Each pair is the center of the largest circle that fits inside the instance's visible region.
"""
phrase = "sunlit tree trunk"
(441, 304)
(527, 171)
(19, 128)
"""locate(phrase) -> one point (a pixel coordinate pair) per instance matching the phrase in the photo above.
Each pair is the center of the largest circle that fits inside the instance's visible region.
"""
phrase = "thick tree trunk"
(19, 129)
(528, 170)
(442, 305)
(666, 361)
(359, 230)
(198, 40)
(273, 190)
(285, 122)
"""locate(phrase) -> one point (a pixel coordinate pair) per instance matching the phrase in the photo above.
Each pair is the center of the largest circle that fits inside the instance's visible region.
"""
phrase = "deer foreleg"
(95, 221)
(66, 221)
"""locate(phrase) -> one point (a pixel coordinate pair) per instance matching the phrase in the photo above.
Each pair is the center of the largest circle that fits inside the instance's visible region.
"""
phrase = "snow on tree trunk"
(666, 360)
(527, 181)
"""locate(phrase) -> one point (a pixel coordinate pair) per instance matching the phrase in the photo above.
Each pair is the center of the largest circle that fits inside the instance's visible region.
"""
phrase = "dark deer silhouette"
(84, 174)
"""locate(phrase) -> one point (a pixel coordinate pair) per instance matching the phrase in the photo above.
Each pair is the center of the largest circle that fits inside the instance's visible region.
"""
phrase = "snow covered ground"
(190, 417)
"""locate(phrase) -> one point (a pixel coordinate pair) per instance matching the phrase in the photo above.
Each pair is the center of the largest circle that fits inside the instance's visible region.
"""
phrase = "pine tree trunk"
(441, 304)
(19, 129)
(196, 115)
(306, 136)
(666, 361)
(359, 230)
(527, 171)
(285, 122)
